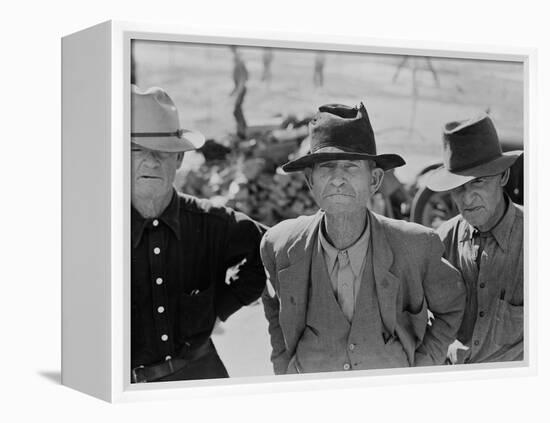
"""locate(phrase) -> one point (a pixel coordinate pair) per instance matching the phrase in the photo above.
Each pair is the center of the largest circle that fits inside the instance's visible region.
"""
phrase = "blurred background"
(253, 105)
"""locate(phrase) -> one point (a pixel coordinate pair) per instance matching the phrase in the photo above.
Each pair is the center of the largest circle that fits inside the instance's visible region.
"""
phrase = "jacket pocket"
(508, 323)
(196, 313)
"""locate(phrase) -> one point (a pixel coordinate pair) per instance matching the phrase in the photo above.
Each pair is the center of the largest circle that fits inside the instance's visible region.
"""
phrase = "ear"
(504, 177)
(377, 178)
(307, 176)
(179, 159)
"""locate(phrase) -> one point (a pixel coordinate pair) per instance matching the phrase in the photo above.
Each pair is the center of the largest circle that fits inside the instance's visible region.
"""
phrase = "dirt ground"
(407, 106)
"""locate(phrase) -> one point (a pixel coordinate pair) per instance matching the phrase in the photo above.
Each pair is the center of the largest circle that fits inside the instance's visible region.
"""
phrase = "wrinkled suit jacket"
(411, 277)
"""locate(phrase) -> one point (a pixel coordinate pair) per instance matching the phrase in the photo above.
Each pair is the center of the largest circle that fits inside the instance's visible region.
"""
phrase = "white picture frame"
(96, 213)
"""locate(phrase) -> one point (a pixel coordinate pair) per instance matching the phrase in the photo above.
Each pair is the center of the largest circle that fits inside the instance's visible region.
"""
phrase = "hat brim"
(189, 140)
(384, 161)
(441, 179)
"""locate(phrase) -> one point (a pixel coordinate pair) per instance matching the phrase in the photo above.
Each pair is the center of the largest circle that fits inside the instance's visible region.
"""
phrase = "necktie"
(346, 299)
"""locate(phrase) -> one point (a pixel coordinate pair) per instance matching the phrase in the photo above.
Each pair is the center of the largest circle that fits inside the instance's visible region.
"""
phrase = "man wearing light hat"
(181, 250)
(485, 241)
(349, 289)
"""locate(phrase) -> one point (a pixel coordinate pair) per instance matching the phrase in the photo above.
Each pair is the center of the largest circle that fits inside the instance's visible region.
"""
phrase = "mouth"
(149, 177)
(338, 194)
(472, 209)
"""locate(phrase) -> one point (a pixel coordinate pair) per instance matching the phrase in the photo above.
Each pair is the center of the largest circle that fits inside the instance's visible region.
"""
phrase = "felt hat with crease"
(339, 132)
(156, 125)
(471, 149)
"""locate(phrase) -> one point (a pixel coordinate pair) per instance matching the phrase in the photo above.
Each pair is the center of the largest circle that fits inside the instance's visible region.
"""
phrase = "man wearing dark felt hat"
(485, 241)
(349, 289)
(182, 247)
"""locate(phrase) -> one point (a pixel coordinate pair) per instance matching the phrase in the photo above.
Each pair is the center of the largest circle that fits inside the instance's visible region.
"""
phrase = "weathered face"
(344, 185)
(153, 172)
(481, 200)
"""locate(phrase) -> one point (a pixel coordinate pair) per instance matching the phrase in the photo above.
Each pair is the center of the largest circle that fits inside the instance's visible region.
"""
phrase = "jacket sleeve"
(242, 253)
(445, 294)
(270, 298)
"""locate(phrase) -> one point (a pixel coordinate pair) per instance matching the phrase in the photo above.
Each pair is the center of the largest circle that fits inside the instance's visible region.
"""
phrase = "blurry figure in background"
(318, 69)
(267, 59)
(182, 249)
(349, 289)
(240, 76)
(485, 241)
(415, 67)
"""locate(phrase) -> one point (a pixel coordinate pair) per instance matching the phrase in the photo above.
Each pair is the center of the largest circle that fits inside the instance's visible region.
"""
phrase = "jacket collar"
(304, 241)
(387, 284)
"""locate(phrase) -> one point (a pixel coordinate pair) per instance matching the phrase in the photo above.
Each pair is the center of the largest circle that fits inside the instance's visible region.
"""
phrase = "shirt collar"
(170, 217)
(356, 253)
(501, 231)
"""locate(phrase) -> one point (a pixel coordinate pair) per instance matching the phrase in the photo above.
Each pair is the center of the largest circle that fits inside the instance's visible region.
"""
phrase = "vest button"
(347, 366)
(351, 347)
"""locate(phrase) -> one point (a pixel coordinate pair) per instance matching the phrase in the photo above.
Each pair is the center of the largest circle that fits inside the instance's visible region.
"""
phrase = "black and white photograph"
(304, 211)
(279, 211)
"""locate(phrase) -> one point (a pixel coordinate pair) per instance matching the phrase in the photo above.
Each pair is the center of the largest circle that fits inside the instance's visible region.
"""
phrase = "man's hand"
(452, 352)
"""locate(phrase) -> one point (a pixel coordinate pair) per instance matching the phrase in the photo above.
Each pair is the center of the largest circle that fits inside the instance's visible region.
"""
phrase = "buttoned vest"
(330, 342)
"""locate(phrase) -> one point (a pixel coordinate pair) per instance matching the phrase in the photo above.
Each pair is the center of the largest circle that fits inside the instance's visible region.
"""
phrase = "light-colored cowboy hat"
(156, 125)
(471, 149)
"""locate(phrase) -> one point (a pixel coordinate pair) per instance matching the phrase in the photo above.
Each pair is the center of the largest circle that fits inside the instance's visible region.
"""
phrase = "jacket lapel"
(299, 253)
(387, 284)
(294, 282)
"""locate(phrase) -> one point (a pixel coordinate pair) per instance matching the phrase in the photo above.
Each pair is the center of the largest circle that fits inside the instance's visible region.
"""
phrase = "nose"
(338, 177)
(337, 180)
(468, 196)
(151, 159)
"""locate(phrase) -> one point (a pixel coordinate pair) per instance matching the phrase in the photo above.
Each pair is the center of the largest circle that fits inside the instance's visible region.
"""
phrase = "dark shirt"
(491, 264)
(179, 266)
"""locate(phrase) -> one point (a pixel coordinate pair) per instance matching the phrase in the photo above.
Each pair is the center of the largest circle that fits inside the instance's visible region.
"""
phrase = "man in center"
(349, 289)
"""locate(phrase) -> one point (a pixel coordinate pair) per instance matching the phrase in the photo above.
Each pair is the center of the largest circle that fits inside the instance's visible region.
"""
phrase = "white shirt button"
(351, 347)
(155, 222)
(159, 281)
(160, 309)
(164, 337)
(168, 357)
(156, 250)
(347, 366)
